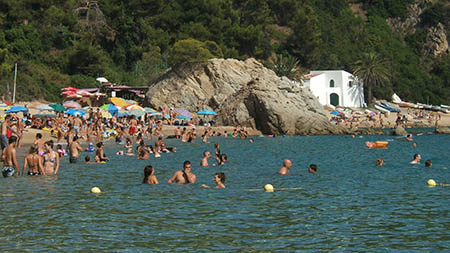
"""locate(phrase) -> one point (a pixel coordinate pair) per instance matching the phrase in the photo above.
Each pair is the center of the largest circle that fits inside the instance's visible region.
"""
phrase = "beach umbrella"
(155, 114)
(137, 113)
(183, 112)
(43, 107)
(122, 113)
(58, 107)
(17, 108)
(182, 117)
(3, 104)
(148, 109)
(75, 112)
(45, 115)
(102, 80)
(335, 113)
(130, 102)
(112, 109)
(206, 112)
(106, 115)
(72, 104)
(119, 102)
(135, 107)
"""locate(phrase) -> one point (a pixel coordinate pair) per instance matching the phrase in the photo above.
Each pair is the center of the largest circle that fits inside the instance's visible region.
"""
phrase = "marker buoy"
(268, 188)
(431, 182)
(96, 190)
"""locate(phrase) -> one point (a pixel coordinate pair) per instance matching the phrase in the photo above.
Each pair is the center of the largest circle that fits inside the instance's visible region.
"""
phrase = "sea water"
(350, 204)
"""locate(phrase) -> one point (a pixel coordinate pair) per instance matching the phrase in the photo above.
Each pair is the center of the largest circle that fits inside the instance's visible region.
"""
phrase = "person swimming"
(219, 180)
(184, 176)
(312, 168)
(380, 162)
(428, 163)
(416, 159)
(287, 164)
(149, 175)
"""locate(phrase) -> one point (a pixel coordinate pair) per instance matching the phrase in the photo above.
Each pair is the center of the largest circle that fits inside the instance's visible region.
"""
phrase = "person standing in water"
(101, 153)
(149, 175)
(312, 168)
(287, 164)
(9, 157)
(74, 150)
(206, 156)
(184, 176)
(34, 161)
(51, 159)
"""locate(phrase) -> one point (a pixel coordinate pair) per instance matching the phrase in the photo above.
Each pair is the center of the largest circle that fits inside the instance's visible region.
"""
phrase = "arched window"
(331, 83)
(334, 99)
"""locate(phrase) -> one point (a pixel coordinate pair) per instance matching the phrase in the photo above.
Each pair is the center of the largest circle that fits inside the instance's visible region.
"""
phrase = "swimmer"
(100, 153)
(287, 164)
(380, 162)
(251, 140)
(206, 156)
(87, 160)
(130, 152)
(414, 145)
(184, 176)
(149, 176)
(416, 159)
(312, 168)
(219, 180)
(428, 163)
(120, 152)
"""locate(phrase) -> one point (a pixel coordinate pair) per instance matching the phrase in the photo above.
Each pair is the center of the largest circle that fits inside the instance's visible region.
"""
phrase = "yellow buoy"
(268, 188)
(431, 182)
(95, 190)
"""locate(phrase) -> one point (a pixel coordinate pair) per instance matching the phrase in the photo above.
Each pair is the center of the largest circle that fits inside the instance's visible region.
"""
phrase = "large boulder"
(244, 93)
(442, 130)
(399, 131)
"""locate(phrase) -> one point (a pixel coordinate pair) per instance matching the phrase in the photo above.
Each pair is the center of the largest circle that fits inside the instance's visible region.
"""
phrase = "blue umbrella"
(182, 117)
(335, 113)
(75, 112)
(206, 112)
(112, 109)
(122, 114)
(17, 108)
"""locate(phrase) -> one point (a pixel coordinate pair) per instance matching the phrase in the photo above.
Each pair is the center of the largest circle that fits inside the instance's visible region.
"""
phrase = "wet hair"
(87, 158)
(223, 157)
(204, 152)
(416, 155)
(59, 146)
(313, 167)
(99, 144)
(186, 163)
(379, 162)
(39, 135)
(75, 138)
(148, 170)
(49, 143)
(428, 163)
(12, 139)
(33, 149)
(221, 176)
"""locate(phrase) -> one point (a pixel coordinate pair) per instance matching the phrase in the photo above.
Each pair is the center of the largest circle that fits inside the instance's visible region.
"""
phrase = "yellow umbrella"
(119, 102)
(106, 114)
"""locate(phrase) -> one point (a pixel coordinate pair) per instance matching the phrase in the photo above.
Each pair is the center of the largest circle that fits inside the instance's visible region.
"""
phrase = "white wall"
(348, 96)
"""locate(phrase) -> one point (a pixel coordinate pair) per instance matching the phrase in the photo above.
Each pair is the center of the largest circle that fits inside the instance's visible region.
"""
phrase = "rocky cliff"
(244, 93)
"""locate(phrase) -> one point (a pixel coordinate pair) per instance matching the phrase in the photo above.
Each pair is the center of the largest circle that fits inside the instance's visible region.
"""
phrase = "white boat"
(381, 109)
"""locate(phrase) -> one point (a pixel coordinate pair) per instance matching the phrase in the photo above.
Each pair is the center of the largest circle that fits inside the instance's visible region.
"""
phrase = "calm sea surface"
(350, 205)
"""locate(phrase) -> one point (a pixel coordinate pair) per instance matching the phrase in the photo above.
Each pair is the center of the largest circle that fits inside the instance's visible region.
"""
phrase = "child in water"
(149, 176)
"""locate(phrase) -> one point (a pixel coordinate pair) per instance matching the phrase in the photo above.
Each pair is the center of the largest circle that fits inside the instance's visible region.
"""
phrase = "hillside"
(70, 42)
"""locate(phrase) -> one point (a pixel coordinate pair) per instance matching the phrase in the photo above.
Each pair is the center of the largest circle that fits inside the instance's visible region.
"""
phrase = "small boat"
(390, 107)
(380, 108)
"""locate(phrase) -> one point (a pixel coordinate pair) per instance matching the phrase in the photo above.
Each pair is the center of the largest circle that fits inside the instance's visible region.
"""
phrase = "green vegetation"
(67, 42)
(371, 70)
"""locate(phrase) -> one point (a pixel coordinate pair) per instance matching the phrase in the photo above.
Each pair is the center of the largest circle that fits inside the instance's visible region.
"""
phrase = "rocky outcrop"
(442, 130)
(436, 43)
(399, 131)
(244, 93)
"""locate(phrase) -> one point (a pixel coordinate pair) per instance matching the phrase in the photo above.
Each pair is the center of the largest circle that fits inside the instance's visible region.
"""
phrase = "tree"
(371, 70)
(285, 65)
(189, 51)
